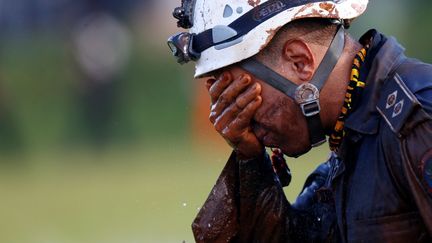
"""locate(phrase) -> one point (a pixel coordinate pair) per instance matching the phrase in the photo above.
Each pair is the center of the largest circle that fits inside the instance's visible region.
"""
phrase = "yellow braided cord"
(354, 84)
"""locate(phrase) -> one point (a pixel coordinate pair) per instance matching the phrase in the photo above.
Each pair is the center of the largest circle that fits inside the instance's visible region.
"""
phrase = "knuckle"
(223, 100)
(241, 116)
(219, 125)
(240, 102)
(213, 107)
(212, 118)
(257, 90)
(228, 134)
(225, 81)
(212, 97)
(214, 90)
(225, 132)
(258, 102)
(233, 108)
(239, 85)
(235, 122)
(218, 128)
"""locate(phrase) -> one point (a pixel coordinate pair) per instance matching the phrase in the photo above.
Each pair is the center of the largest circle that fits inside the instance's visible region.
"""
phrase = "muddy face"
(278, 122)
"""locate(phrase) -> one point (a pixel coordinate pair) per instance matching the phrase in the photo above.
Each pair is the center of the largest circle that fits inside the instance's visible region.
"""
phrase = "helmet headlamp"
(181, 47)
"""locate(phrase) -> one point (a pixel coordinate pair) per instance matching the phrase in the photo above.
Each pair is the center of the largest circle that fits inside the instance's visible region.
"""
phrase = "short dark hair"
(313, 30)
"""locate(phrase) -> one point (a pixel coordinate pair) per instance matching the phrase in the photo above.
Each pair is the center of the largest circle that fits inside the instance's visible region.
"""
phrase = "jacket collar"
(383, 57)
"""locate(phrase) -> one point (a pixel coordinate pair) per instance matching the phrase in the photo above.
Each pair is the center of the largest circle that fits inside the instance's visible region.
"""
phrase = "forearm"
(263, 207)
(247, 204)
(217, 219)
(267, 216)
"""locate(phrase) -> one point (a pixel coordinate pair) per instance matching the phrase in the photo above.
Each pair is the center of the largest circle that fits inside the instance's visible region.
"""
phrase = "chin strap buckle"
(307, 97)
(310, 108)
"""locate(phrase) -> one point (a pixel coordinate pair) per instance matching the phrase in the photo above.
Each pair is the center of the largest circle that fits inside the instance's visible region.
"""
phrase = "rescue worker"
(286, 75)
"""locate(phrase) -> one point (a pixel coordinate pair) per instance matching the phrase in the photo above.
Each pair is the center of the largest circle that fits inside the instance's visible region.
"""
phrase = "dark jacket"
(377, 188)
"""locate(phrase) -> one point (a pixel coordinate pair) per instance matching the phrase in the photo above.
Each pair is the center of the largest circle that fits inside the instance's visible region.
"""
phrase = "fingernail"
(245, 79)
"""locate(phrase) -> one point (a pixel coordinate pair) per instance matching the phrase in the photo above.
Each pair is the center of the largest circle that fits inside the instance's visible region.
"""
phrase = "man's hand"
(233, 105)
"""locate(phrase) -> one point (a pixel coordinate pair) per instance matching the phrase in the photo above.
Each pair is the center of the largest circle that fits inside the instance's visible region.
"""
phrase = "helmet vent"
(228, 11)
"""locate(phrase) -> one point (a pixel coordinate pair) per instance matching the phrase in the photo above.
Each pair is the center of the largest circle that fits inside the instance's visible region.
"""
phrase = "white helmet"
(225, 32)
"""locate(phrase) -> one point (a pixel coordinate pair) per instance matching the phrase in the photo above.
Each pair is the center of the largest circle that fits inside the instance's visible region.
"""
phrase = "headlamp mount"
(184, 14)
(181, 47)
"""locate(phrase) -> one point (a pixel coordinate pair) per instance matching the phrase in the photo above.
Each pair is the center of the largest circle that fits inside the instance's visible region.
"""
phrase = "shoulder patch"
(426, 170)
(396, 103)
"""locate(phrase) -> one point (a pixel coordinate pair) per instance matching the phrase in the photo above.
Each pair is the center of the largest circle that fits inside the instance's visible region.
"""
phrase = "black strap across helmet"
(197, 43)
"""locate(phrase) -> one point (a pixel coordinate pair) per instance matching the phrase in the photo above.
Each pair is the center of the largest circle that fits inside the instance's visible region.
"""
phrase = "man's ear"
(299, 58)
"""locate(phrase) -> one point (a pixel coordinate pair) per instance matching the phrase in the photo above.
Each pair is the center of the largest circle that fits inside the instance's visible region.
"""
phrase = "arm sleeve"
(417, 165)
(248, 204)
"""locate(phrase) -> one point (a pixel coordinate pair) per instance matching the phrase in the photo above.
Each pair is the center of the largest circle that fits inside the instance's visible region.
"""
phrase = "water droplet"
(319, 219)
(198, 208)
(184, 204)
(239, 10)
(209, 225)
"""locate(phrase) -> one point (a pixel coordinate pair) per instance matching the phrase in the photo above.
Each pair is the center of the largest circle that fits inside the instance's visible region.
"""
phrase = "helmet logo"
(267, 10)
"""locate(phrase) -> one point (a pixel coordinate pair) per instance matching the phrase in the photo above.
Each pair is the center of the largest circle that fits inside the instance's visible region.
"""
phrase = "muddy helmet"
(225, 32)
(222, 33)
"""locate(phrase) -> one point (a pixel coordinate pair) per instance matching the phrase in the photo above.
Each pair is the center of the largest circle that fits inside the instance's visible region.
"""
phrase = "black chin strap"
(306, 95)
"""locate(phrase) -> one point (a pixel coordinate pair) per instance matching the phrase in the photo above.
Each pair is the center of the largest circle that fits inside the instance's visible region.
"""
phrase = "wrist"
(257, 172)
(250, 155)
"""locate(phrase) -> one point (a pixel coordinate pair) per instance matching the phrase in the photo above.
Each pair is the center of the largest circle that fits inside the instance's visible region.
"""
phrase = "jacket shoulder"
(406, 97)
(417, 76)
(405, 104)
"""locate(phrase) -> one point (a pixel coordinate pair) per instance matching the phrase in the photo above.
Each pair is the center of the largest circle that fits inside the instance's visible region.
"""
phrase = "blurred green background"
(127, 156)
